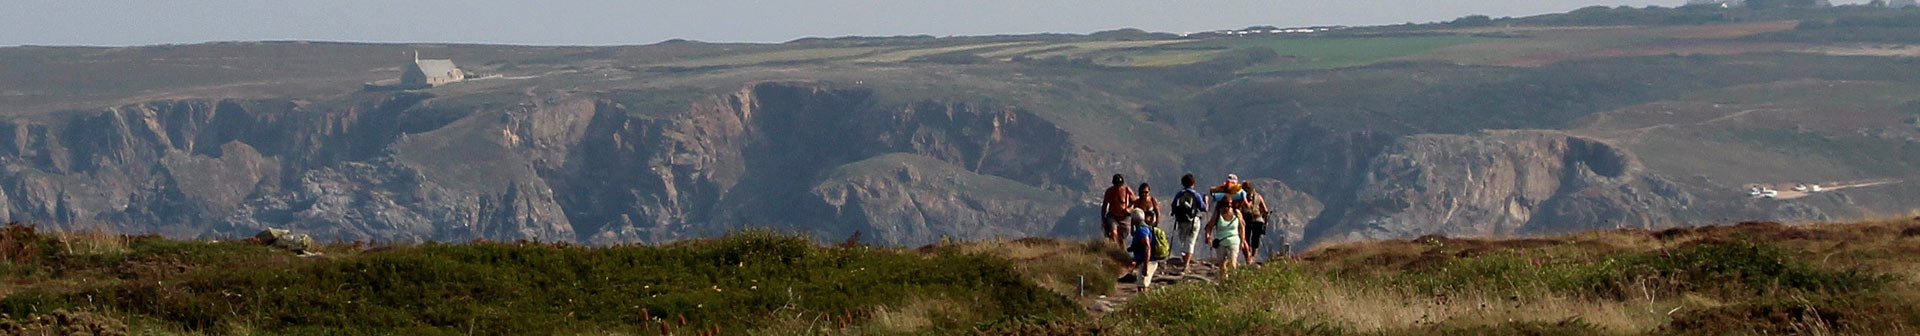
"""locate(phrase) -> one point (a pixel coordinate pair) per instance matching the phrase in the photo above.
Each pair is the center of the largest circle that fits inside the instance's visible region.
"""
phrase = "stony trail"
(1170, 272)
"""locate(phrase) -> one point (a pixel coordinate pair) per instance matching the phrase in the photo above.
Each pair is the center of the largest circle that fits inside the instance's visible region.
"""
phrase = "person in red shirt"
(1115, 209)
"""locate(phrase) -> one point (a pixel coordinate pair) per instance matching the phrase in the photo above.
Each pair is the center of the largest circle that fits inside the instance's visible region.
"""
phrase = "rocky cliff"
(1501, 183)
(833, 160)
(568, 167)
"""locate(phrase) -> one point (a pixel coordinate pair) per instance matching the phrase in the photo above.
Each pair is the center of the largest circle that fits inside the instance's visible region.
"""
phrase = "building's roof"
(435, 67)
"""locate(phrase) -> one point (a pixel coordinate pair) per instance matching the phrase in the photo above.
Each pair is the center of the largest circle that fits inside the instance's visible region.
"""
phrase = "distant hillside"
(1599, 118)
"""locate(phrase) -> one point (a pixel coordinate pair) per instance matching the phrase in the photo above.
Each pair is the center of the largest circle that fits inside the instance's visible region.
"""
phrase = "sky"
(615, 22)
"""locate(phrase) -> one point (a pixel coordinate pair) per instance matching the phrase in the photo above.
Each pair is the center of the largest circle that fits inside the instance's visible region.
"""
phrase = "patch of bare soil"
(62, 322)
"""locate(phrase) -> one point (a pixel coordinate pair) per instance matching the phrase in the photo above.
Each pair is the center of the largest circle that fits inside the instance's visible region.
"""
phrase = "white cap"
(1233, 178)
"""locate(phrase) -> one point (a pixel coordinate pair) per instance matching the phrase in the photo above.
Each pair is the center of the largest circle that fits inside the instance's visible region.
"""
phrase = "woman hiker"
(1256, 214)
(1147, 203)
(1224, 231)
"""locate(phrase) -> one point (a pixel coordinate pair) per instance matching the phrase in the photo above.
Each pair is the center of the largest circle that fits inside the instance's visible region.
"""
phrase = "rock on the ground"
(271, 235)
(285, 239)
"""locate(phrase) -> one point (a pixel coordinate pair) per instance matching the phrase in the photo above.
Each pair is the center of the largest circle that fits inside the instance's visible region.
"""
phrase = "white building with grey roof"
(431, 72)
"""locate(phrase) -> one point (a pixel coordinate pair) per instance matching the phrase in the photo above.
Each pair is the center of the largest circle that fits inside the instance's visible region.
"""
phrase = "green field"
(813, 54)
(1070, 48)
(1329, 53)
(1153, 57)
(906, 54)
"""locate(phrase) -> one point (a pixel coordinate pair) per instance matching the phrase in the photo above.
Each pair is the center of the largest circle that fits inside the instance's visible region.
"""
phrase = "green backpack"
(1160, 246)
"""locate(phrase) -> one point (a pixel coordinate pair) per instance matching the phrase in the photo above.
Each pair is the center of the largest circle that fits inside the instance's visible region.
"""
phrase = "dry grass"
(92, 242)
(1376, 309)
(1056, 264)
(1406, 286)
(915, 315)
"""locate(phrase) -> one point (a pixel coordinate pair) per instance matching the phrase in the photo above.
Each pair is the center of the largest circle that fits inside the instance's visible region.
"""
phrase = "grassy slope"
(1759, 278)
(1752, 278)
(747, 281)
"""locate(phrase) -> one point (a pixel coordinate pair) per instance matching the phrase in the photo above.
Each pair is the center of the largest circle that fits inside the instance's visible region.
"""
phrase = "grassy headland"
(754, 281)
(1751, 278)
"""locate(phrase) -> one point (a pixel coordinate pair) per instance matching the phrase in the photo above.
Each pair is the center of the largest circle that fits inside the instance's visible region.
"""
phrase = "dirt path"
(1170, 272)
(1791, 194)
(1635, 134)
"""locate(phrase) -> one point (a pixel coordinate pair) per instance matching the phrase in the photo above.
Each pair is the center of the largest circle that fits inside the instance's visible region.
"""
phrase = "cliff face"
(225, 167)
(576, 168)
(769, 155)
(1502, 183)
(908, 198)
(798, 156)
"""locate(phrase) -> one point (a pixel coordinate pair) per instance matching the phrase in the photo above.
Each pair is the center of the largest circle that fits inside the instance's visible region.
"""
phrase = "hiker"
(1232, 187)
(1115, 208)
(1146, 202)
(1147, 248)
(1188, 209)
(1224, 231)
(1256, 213)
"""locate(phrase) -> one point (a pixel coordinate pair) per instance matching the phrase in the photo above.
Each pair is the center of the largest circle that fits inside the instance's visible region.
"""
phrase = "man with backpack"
(1188, 207)
(1114, 209)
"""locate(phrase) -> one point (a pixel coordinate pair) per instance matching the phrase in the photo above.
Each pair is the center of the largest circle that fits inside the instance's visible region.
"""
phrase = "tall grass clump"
(22, 248)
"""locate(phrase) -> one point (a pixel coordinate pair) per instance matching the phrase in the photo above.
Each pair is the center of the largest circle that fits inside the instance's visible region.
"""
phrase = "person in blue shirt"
(1189, 206)
(1142, 250)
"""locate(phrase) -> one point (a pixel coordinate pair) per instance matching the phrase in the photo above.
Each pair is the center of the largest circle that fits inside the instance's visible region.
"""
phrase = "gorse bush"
(740, 282)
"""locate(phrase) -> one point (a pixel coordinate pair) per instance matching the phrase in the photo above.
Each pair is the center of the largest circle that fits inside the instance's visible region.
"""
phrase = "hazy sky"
(603, 22)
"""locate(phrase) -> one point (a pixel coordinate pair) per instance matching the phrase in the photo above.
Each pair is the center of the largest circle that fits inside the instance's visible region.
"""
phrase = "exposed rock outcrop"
(907, 198)
(1501, 183)
(296, 242)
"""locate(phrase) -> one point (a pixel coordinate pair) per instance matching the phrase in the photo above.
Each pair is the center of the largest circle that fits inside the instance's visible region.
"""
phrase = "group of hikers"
(1231, 217)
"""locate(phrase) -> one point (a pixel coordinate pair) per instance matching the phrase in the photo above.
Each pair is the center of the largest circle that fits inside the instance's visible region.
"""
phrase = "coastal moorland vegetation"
(1751, 278)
